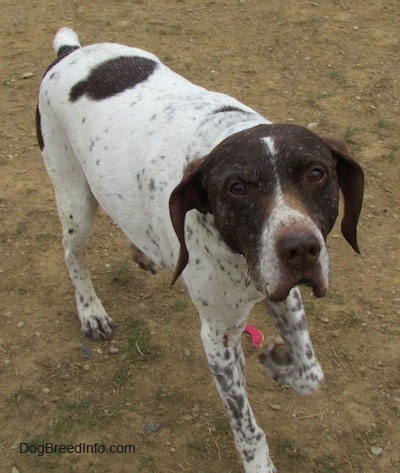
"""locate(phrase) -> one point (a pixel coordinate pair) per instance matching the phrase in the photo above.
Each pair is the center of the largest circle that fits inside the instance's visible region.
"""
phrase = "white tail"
(65, 37)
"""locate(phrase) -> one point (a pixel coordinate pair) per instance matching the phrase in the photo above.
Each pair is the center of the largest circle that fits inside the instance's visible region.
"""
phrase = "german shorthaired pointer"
(239, 207)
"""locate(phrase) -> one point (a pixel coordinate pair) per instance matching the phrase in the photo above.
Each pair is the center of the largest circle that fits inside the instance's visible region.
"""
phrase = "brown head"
(273, 191)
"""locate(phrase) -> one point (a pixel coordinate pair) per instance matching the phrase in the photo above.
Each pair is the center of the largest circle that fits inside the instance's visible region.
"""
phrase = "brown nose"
(298, 249)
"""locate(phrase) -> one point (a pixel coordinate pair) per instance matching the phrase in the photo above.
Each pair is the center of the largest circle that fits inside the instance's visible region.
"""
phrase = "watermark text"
(50, 448)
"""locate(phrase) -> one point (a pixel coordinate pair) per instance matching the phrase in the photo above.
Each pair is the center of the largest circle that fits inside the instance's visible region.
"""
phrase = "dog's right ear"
(188, 194)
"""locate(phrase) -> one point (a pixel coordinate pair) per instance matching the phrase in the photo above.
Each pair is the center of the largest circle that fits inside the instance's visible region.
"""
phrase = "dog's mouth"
(277, 289)
(280, 292)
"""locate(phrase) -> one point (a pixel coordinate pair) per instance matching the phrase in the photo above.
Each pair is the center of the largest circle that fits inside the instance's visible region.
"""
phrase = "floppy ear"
(188, 194)
(351, 182)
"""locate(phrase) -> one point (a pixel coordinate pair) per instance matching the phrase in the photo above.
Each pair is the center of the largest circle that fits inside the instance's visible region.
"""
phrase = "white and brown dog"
(202, 184)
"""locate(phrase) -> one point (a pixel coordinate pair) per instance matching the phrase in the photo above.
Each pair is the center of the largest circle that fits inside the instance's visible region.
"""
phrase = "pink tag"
(256, 335)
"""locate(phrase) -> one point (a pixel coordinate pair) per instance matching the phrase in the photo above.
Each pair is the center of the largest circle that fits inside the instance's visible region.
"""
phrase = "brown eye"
(237, 189)
(315, 175)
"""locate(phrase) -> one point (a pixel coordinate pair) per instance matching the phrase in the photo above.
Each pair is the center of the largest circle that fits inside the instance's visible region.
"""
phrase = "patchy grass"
(314, 101)
(120, 377)
(293, 456)
(74, 416)
(139, 346)
(339, 78)
(326, 464)
(370, 436)
(336, 297)
(169, 395)
(220, 424)
(384, 128)
(351, 320)
(197, 448)
(20, 395)
(180, 305)
(392, 154)
(385, 124)
(312, 308)
(21, 227)
(350, 137)
(123, 275)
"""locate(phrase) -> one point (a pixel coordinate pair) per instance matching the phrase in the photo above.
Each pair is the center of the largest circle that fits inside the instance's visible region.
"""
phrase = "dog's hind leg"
(77, 209)
(143, 261)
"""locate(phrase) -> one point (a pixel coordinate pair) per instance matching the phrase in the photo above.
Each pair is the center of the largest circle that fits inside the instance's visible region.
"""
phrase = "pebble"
(27, 75)
(86, 352)
(377, 451)
(20, 324)
(152, 427)
(46, 391)
(113, 350)
(275, 407)
(86, 367)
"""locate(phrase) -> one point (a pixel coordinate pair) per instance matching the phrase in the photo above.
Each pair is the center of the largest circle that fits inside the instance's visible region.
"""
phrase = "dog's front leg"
(225, 358)
(292, 361)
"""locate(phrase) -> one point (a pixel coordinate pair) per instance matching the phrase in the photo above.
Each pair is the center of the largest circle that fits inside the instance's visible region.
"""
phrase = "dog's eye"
(315, 175)
(237, 189)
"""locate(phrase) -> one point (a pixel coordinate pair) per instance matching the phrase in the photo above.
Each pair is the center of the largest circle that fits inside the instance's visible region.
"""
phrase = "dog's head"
(274, 191)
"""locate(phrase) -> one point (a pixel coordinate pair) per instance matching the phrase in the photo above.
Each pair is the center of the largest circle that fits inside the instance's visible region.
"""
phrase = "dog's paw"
(303, 375)
(277, 360)
(97, 326)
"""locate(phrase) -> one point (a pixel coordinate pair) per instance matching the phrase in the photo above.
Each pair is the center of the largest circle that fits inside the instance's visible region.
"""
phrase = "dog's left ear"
(188, 194)
(351, 182)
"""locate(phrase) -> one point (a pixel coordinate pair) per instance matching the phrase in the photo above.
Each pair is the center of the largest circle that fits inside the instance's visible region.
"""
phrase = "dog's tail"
(65, 41)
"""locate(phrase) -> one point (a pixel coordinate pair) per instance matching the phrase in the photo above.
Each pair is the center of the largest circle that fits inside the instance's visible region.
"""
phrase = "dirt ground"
(330, 64)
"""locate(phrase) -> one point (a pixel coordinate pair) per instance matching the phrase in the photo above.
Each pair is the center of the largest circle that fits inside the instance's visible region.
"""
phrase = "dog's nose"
(298, 249)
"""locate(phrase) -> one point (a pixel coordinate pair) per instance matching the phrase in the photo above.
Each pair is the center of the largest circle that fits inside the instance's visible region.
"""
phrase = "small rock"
(113, 350)
(377, 451)
(14, 469)
(152, 427)
(46, 390)
(20, 324)
(27, 75)
(275, 407)
(7, 361)
(86, 352)
(86, 367)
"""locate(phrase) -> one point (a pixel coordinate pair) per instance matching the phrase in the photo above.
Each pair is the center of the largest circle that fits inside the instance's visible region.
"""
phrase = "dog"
(237, 206)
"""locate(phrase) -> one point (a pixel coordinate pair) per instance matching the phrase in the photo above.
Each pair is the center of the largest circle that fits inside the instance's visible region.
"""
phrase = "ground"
(332, 65)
